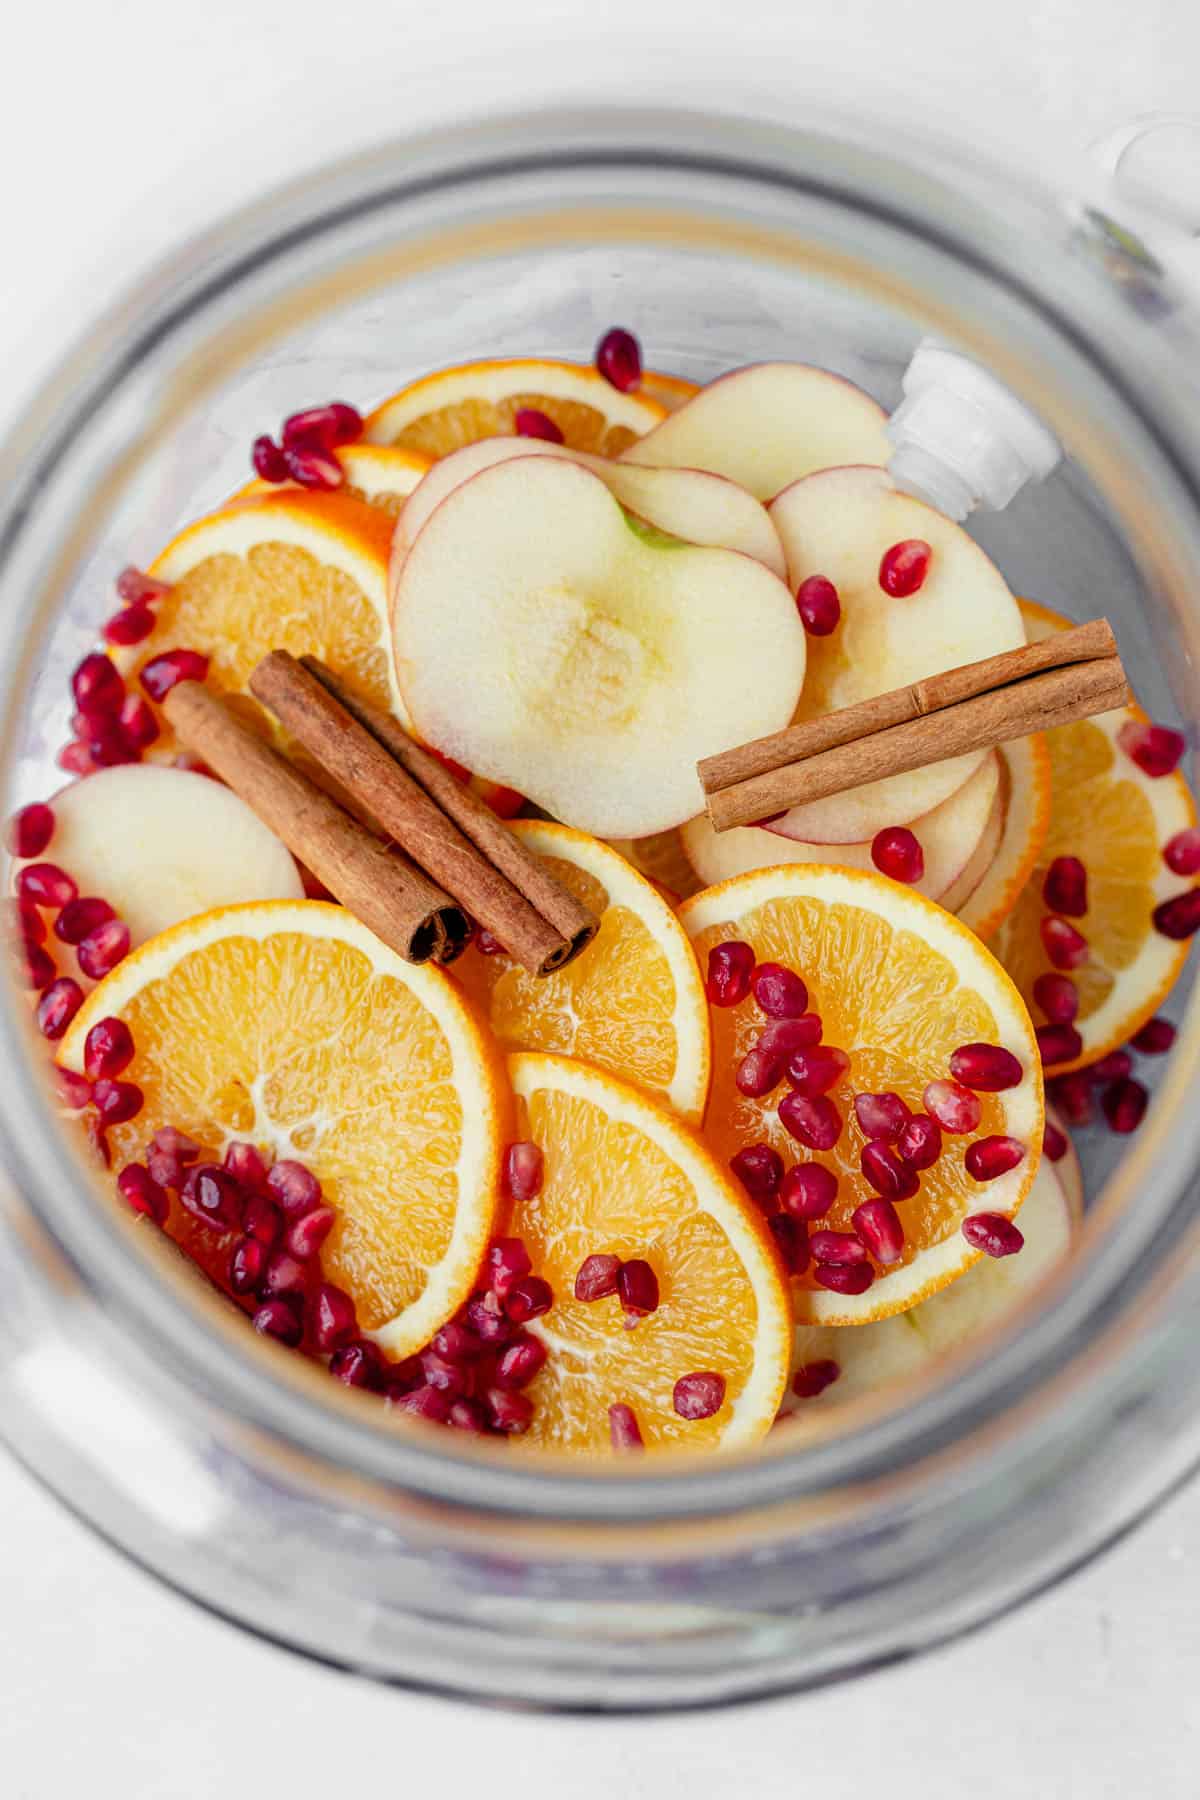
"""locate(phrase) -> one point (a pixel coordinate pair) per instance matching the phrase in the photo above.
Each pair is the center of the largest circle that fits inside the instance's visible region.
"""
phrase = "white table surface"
(123, 126)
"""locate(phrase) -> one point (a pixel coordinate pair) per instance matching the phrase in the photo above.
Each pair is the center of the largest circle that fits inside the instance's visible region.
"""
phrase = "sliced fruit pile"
(776, 1138)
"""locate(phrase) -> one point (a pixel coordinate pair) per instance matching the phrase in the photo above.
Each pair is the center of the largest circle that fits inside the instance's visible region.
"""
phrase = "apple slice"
(549, 641)
(685, 503)
(768, 425)
(840, 524)
(162, 844)
(983, 855)
(949, 836)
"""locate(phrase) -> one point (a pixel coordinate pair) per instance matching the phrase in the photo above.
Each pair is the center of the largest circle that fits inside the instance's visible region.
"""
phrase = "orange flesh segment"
(448, 428)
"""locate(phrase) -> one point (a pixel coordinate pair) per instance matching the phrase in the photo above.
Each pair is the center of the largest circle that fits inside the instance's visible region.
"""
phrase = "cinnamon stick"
(1061, 650)
(361, 764)
(1054, 697)
(379, 886)
(527, 872)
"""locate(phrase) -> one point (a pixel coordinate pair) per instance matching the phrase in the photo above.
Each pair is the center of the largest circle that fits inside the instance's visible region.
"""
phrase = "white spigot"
(962, 440)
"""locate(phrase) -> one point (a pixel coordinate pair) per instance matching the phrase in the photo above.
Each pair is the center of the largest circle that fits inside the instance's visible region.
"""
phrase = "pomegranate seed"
(986, 1068)
(524, 1170)
(528, 1298)
(920, 1142)
(881, 1115)
(312, 467)
(992, 1233)
(80, 917)
(837, 1247)
(293, 1187)
(167, 1153)
(779, 992)
(334, 1319)
(166, 1169)
(637, 1285)
(307, 1234)
(484, 1314)
(903, 568)
(107, 744)
(782, 1036)
(699, 1396)
(212, 1195)
(76, 759)
(1054, 1142)
(285, 1274)
(279, 1319)
(878, 1225)
(730, 966)
(58, 1006)
(323, 426)
(791, 1241)
(813, 1378)
(757, 1073)
(1181, 853)
(467, 1415)
(623, 1429)
(1124, 1105)
(108, 1048)
(597, 1277)
(619, 359)
(1155, 1038)
(359, 1365)
(508, 1412)
(507, 1261)
(177, 1143)
(487, 945)
(247, 1260)
(45, 884)
(117, 1101)
(845, 1278)
(449, 1377)
(520, 1361)
(103, 948)
(1058, 1044)
(131, 625)
(812, 1119)
(97, 686)
(26, 924)
(808, 1190)
(989, 1157)
(456, 1342)
(139, 1190)
(267, 459)
(1066, 947)
(1072, 1095)
(30, 829)
(424, 1403)
(138, 725)
(896, 851)
(819, 606)
(759, 1168)
(1065, 887)
(38, 967)
(816, 1070)
(164, 672)
(528, 422)
(73, 1090)
(1058, 998)
(956, 1109)
(248, 1167)
(1180, 917)
(263, 1221)
(887, 1174)
(1156, 749)
(1113, 1067)
(134, 586)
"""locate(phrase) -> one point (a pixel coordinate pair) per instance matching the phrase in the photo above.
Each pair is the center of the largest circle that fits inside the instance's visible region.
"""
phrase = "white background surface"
(125, 125)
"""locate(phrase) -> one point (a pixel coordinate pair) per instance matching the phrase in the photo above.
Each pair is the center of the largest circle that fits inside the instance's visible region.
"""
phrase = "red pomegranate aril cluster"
(1178, 918)
(881, 1115)
(294, 1188)
(1155, 1038)
(778, 991)
(142, 1193)
(334, 1318)
(812, 1119)
(524, 1170)
(1058, 1044)
(528, 1298)
(530, 422)
(306, 1234)
(759, 1168)
(844, 1278)
(837, 1247)
(103, 948)
(132, 625)
(624, 1432)
(904, 567)
(30, 830)
(1058, 998)
(262, 1220)
(878, 1225)
(619, 359)
(80, 917)
(117, 1101)
(1072, 1095)
(700, 1395)
(279, 1319)
(211, 1195)
(812, 1072)
(887, 1173)
(808, 1190)
(954, 1106)
(107, 1049)
(993, 1233)
(596, 1277)
(164, 672)
(813, 1378)
(896, 852)
(919, 1144)
(1113, 1067)
(57, 1007)
(305, 454)
(506, 1262)
(730, 967)
(1156, 749)
(1124, 1105)
(45, 884)
(990, 1157)
(1181, 853)
(1064, 888)
(1065, 947)
(247, 1260)
(520, 1361)
(985, 1068)
(819, 606)
(637, 1288)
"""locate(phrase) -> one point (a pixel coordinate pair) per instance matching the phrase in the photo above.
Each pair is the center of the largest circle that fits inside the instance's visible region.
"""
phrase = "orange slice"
(632, 1003)
(288, 1024)
(459, 406)
(1116, 820)
(382, 475)
(991, 893)
(899, 985)
(624, 1177)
